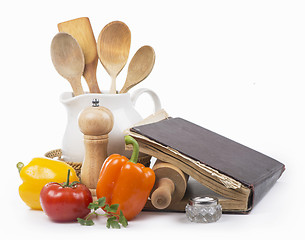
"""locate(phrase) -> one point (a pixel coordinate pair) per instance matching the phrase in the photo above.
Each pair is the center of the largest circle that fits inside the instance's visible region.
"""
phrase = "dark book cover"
(253, 169)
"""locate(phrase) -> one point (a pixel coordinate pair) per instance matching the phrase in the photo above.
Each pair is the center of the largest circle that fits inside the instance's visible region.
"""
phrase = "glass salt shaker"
(203, 209)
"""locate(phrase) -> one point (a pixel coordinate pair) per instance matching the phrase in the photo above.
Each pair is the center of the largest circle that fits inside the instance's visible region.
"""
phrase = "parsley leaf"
(113, 208)
(93, 206)
(122, 219)
(101, 201)
(112, 222)
(114, 219)
(85, 222)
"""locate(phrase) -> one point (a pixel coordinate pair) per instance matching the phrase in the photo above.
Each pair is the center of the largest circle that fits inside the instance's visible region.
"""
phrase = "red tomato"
(63, 203)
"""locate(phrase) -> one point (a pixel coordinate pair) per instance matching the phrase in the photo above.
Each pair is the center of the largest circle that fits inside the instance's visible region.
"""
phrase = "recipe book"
(241, 175)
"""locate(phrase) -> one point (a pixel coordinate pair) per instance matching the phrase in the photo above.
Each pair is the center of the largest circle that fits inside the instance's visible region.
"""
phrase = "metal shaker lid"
(203, 201)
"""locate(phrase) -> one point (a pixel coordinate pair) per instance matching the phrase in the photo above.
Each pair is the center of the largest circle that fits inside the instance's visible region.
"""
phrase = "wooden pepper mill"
(95, 123)
(170, 185)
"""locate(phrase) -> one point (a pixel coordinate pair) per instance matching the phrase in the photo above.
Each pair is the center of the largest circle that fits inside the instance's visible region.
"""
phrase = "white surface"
(234, 67)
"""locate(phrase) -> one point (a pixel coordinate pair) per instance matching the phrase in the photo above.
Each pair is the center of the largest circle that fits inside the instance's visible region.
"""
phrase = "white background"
(234, 67)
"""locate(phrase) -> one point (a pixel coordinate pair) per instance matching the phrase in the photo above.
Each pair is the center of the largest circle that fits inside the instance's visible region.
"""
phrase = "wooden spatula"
(81, 30)
(139, 67)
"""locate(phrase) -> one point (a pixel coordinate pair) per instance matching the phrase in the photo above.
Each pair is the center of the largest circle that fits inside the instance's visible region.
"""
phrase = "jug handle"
(151, 93)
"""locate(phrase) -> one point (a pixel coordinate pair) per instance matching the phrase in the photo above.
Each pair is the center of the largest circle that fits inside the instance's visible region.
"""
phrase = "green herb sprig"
(114, 220)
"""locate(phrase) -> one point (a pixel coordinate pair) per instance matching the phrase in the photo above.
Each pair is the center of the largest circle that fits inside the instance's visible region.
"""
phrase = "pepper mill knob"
(95, 123)
(95, 120)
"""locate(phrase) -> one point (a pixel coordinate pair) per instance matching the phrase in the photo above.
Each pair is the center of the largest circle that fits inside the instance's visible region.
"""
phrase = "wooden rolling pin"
(95, 123)
(170, 185)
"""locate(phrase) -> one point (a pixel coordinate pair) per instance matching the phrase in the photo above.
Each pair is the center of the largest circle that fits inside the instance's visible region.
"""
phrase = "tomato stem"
(68, 179)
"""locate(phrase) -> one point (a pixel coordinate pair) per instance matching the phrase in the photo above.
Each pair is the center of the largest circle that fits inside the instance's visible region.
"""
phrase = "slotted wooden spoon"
(68, 59)
(139, 67)
(81, 30)
(113, 47)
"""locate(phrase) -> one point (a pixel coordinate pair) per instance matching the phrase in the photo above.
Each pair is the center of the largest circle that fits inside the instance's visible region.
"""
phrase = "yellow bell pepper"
(38, 173)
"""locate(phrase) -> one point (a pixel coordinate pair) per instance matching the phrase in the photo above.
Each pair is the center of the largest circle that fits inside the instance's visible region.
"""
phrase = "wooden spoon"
(139, 67)
(113, 47)
(68, 59)
(81, 30)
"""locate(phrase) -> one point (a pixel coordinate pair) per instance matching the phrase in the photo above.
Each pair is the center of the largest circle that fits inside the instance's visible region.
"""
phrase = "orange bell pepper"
(125, 182)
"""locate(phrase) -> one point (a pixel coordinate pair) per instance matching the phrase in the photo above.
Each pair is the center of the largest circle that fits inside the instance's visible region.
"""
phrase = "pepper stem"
(19, 165)
(135, 153)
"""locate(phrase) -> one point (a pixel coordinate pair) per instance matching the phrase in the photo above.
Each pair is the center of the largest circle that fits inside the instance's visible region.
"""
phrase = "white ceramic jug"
(122, 108)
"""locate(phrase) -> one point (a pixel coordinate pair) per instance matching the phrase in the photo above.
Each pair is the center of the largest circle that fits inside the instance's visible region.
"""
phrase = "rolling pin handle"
(162, 196)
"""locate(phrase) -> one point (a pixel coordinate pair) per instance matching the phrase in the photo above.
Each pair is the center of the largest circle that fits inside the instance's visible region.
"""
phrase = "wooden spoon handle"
(90, 76)
(76, 86)
(125, 88)
(113, 85)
